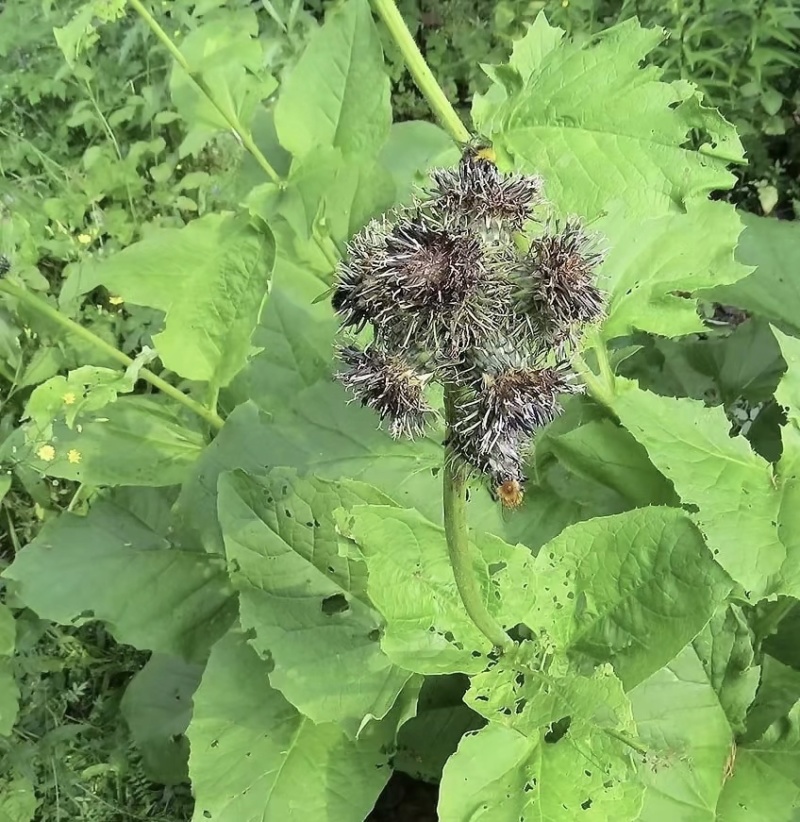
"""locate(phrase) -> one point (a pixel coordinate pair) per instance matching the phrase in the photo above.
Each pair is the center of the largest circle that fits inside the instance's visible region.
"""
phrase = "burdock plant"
(473, 287)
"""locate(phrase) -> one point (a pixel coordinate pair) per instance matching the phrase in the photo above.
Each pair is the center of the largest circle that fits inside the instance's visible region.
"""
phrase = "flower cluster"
(454, 292)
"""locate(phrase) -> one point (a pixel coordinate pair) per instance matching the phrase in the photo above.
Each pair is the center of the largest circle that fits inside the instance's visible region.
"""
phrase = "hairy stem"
(455, 528)
(230, 117)
(70, 326)
(423, 76)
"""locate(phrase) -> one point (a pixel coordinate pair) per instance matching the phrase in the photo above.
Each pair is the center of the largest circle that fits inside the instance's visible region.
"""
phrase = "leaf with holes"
(157, 706)
(411, 583)
(688, 738)
(764, 776)
(630, 589)
(740, 499)
(553, 748)
(304, 600)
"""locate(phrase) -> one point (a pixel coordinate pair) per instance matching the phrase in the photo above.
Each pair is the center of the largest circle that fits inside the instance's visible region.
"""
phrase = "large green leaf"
(157, 705)
(683, 726)
(110, 566)
(551, 752)
(738, 500)
(305, 603)
(134, 441)
(604, 453)
(226, 56)
(656, 267)
(411, 583)
(722, 368)
(788, 393)
(9, 692)
(630, 589)
(765, 780)
(254, 757)
(240, 444)
(549, 111)
(772, 290)
(295, 336)
(338, 93)
(778, 691)
(725, 649)
(210, 278)
(630, 164)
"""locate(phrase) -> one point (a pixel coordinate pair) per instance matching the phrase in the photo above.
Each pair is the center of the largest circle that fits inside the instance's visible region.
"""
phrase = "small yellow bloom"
(116, 300)
(46, 453)
(84, 239)
(69, 398)
(74, 456)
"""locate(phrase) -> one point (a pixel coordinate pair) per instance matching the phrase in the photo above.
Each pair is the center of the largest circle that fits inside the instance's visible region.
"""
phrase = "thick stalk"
(455, 528)
(229, 116)
(71, 327)
(423, 76)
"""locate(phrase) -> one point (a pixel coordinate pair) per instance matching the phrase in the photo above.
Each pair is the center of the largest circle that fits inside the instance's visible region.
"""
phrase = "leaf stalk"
(76, 329)
(420, 71)
(242, 134)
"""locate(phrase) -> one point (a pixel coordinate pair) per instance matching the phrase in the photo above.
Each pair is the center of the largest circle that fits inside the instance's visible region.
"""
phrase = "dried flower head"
(439, 289)
(449, 297)
(555, 281)
(365, 254)
(477, 191)
(389, 385)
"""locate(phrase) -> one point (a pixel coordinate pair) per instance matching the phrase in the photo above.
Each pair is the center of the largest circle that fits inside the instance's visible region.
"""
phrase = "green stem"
(47, 310)
(455, 528)
(592, 382)
(420, 71)
(230, 117)
(602, 387)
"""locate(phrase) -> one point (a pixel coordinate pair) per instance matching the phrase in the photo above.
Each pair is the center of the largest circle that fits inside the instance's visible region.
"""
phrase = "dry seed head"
(477, 192)
(364, 256)
(449, 296)
(556, 281)
(389, 385)
(437, 288)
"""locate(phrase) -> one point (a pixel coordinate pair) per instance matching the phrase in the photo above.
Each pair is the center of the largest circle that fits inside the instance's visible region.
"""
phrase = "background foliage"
(105, 148)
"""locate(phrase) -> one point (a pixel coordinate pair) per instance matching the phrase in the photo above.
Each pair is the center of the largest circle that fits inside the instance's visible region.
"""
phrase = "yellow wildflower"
(84, 239)
(69, 398)
(116, 300)
(46, 453)
(74, 456)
